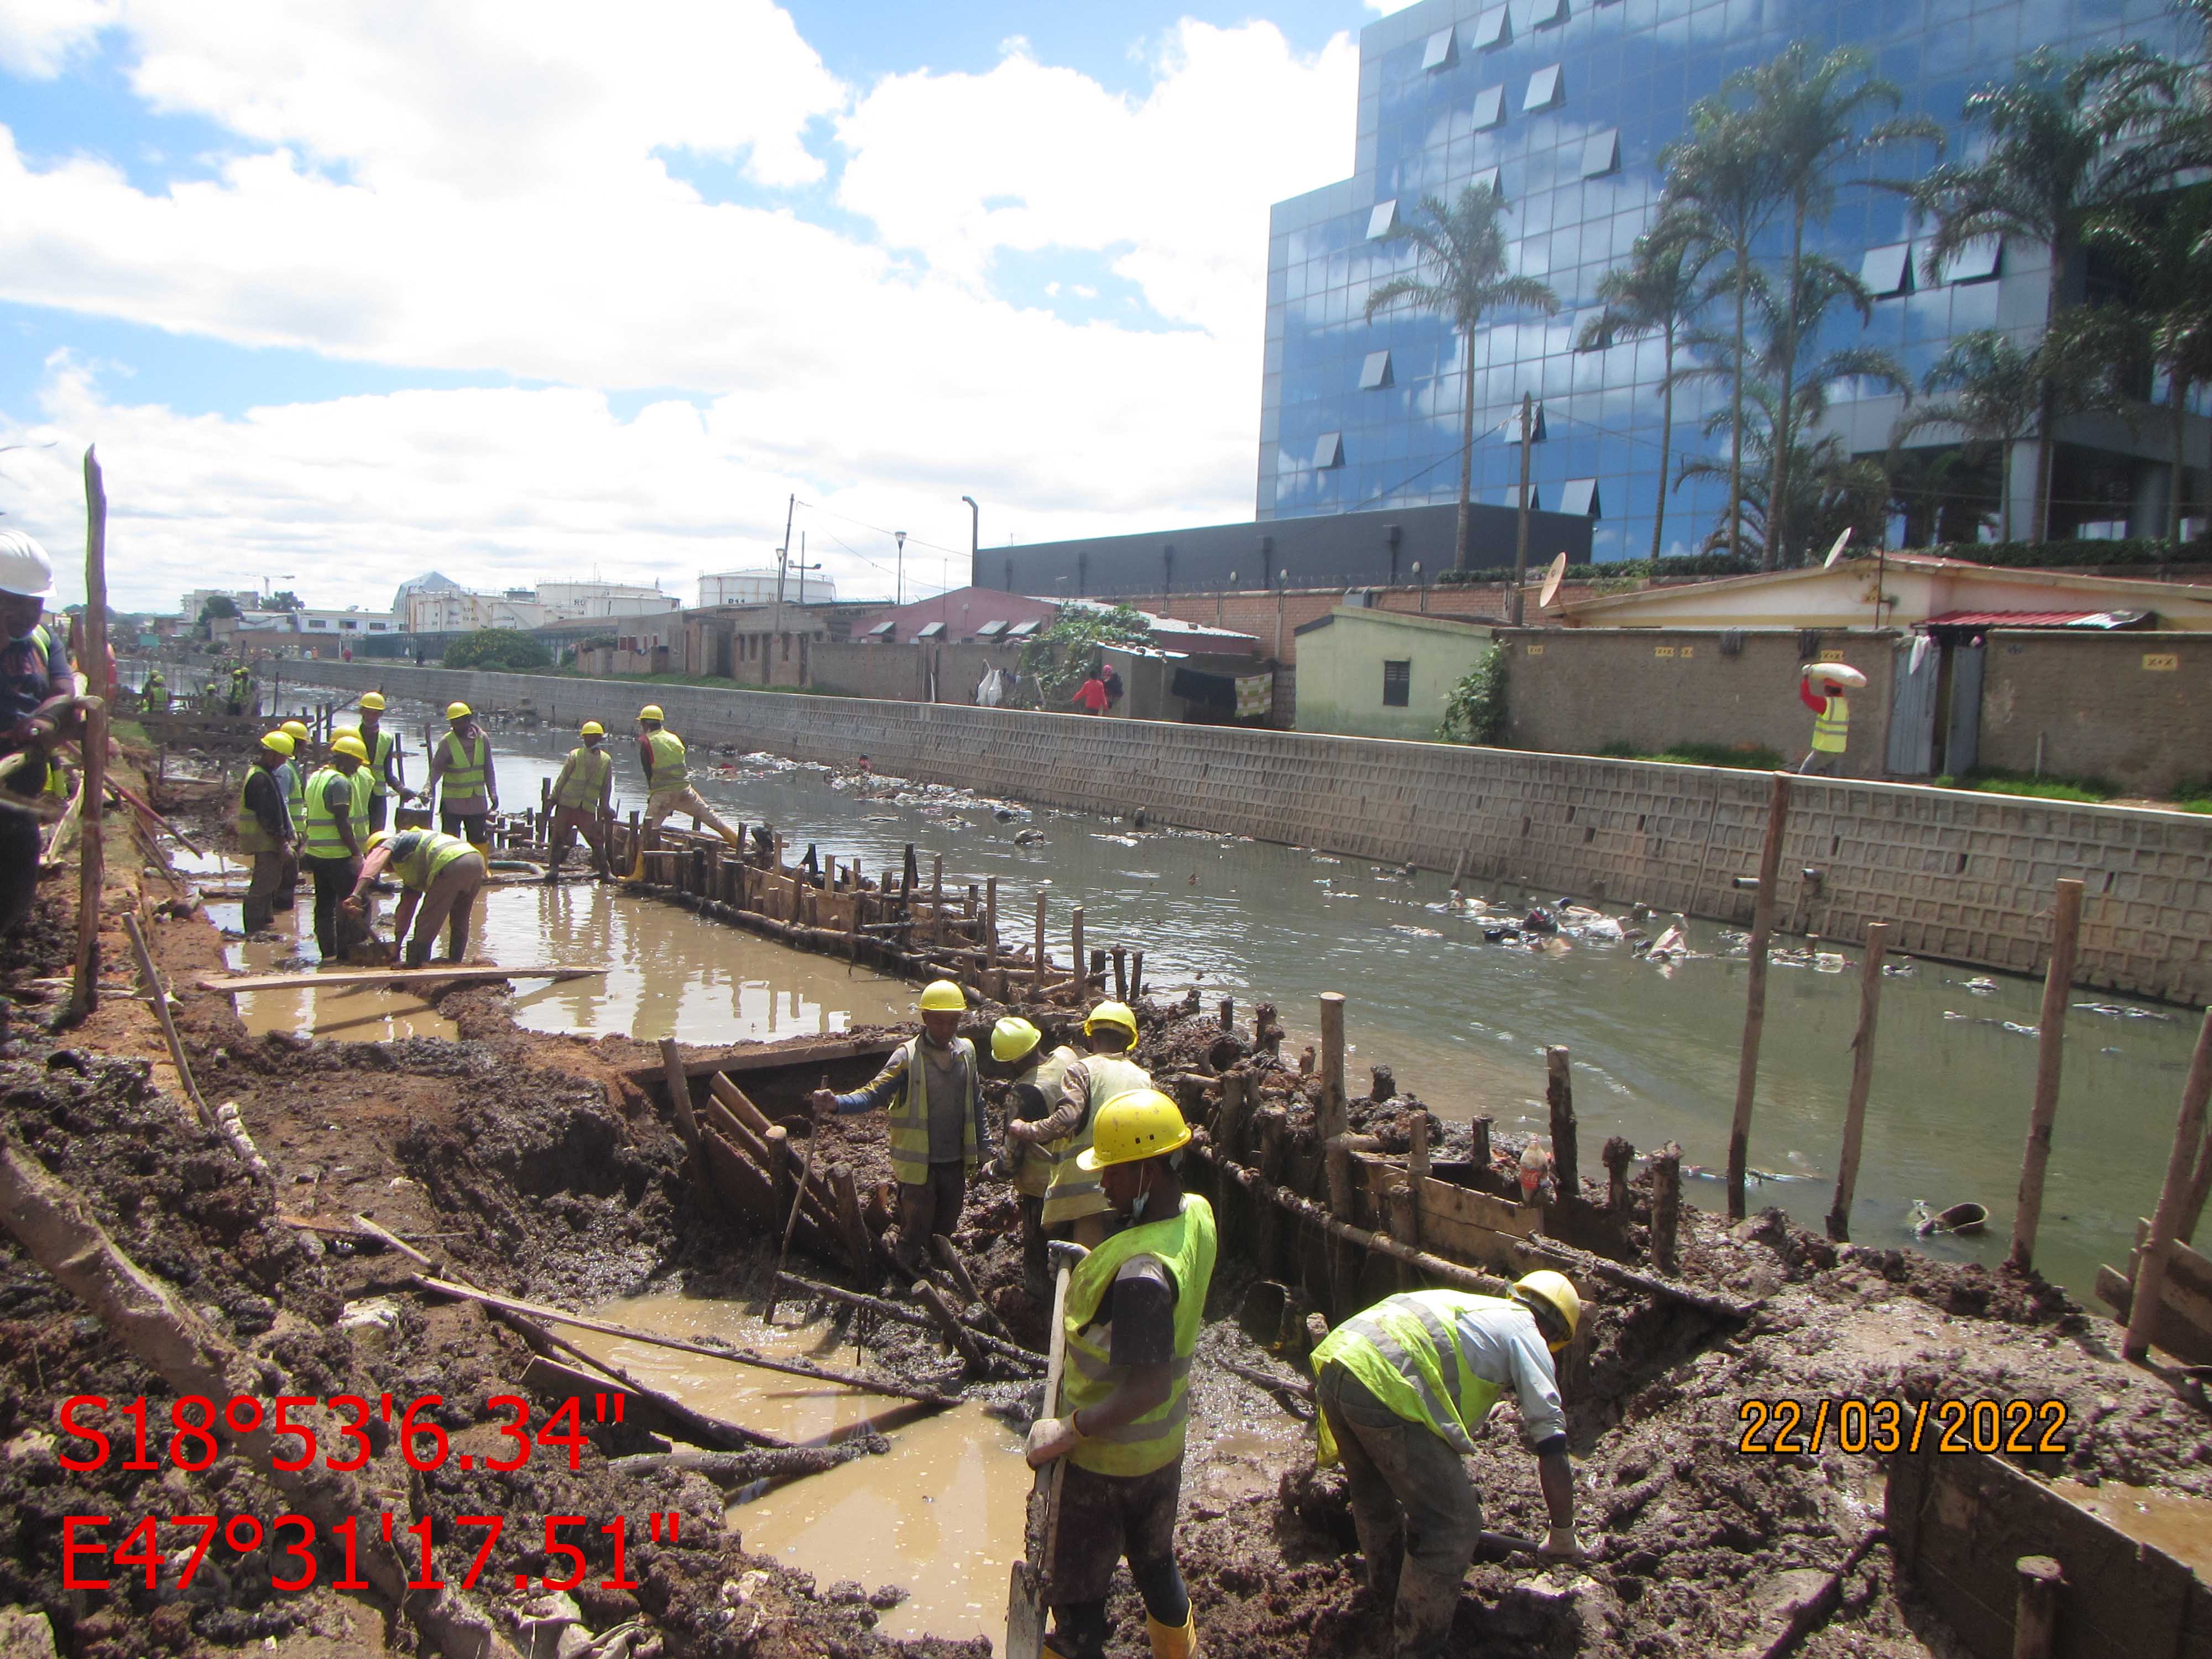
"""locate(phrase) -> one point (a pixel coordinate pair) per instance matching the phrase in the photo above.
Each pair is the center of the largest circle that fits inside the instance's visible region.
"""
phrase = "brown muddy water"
(1462, 1023)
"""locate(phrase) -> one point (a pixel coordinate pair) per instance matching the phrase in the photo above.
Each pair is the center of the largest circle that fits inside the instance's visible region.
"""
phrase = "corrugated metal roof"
(2011, 618)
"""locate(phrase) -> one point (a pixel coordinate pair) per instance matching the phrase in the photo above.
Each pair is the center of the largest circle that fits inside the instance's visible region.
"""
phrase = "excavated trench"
(534, 1164)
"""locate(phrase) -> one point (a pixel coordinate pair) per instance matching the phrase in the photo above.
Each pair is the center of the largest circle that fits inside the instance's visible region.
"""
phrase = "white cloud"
(475, 187)
(37, 36)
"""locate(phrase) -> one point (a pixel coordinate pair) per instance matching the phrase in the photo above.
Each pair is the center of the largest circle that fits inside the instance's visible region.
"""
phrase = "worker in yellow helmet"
(464, 778)
(387, 761)
(668, 784)
(1134, 1305)
(292, 778)
(1403, 1389)
(1034, 1074)
(330, 844)
(262, 826)
(582, 796)
(937, 1134)
(1076, 1206)
(440, 876)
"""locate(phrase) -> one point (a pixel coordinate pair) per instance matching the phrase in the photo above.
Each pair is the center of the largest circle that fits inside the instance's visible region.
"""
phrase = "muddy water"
(2179, 1525)
(939, 1515)
(1464, 1024)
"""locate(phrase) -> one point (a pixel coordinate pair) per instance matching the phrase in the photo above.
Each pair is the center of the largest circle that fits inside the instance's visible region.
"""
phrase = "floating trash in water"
(1118, 841)
(1899, 969)
(1981, 987)
(1412, 932)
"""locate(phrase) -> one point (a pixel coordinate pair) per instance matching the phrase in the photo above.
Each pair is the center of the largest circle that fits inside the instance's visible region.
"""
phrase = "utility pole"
(782, 563)
(974, 539)
(1521, 539)
(898, 591)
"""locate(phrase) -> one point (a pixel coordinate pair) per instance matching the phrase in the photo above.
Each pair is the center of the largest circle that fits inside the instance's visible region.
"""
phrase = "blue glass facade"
(1565, 105)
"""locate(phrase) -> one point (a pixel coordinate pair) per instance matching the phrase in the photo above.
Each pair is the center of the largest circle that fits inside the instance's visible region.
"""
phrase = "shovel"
(1025, 1594)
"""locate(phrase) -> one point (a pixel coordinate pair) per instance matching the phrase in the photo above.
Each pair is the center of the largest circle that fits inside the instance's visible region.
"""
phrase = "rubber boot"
(1171, 1641)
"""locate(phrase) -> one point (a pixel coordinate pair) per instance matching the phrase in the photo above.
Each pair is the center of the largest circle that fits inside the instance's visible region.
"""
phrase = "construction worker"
(582, 796)
(1134, 1305)
(1075, 1206)
(462, 761)
(265, 830)
(35, 681)
(440, 876)
(1829, 700)
(241, 685)
(292, 778)
(387, 765)
(329, 844)
(1403, 1389)
(153, 695)
(938, 1135)
(668, 784)
(1032, 1090)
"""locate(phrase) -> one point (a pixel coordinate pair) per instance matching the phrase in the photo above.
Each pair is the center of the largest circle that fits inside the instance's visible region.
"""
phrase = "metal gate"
(1962, 735)
(1912, 711)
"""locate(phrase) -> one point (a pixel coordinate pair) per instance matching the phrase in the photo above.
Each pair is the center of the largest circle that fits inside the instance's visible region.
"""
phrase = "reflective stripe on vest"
(909, 1118)
(378, 752)
(364, 792)
(291, 779)
(464, 773)
(588, 776)
(1831, 726)
(252, 837)
(320, 838)
(1033, 1175)
(669, 771)
(1076, 1191)
(417, 855)
(1405, 1353)
(1184, 1245)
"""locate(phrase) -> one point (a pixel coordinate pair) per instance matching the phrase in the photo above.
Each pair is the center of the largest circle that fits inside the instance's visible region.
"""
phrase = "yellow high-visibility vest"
(1077, 1192)
(1184, 1243)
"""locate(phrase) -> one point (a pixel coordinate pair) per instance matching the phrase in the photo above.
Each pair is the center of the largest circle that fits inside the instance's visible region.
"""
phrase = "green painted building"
(1369, 673)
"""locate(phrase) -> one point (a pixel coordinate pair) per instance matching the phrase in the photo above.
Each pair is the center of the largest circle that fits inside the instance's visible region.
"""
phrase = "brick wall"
(2132, 707)
(1963, 877)
(1579, 690)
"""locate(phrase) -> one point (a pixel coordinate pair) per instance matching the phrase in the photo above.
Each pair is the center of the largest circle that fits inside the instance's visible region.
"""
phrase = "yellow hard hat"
(1012, 1038)
(592, 729)
(457, 711)
(278, 742)
(1139, 1124)
(1556, 1291)
(651, 712)
(296, 730)
(346, 744)
(942, 996)
(373, 700)
(1112, 1013)
(377, 838)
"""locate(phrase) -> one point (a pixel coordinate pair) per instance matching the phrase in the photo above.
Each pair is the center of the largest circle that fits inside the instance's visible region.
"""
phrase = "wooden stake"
(1075, 935)
(92, 851)
(1618, 1155)
(2035, 1619)
(2172, 1198)
(1479, 1145)
(1847, 1171)
(852, 1223)
(1038, 955)
(1666, 1207)
(1567, 1152)
(146, 971)
(1228, 1014)
(1120, 973)
(1136, 973)
(1754, 1018)
(2051, 1050)
(991, 924)
(1332, 1119)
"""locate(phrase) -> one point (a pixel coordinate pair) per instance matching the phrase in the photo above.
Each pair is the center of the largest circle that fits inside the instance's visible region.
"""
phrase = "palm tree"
(1660, 290)
(1722, 188)
(1464, 274)
(1809, 110)
(2068, 139)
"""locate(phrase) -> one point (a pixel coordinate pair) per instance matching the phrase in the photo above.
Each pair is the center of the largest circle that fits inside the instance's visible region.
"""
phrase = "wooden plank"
(1464, 1204)
(340, 979)
(743, 1062)
(656, 1414)
(2183, 1325)
(736, 1178)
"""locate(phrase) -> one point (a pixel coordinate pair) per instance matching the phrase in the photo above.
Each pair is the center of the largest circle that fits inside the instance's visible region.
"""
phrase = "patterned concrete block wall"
(1963, 877)
(2129, 707)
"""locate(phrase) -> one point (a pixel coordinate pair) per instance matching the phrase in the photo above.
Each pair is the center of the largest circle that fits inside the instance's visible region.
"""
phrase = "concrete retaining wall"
(1965, 876)
(2128, 707)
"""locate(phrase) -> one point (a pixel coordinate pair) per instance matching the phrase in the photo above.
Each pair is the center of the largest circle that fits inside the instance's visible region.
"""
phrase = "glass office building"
(1565, 106)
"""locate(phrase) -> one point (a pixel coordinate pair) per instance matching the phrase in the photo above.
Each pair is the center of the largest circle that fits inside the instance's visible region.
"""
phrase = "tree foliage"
(507, 648)
(220, 607)
(1057, 659)
(1474, 711)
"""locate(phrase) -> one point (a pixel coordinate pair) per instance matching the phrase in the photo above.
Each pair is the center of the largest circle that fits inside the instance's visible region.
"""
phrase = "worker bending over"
(461, 764)
(440, 877)
(1033, 1090)
(582, 796)
(1403, 1389)
(387, 764)
(668, 784)
(331, 843)
(938, 1135)
(264, 830)
(1075, 1206)
(1133, 1307)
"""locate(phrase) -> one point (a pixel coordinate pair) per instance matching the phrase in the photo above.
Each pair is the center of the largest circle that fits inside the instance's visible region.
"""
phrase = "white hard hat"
(24, 569)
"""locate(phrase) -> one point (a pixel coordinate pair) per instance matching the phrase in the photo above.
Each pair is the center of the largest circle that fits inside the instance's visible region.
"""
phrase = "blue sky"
(364, 287)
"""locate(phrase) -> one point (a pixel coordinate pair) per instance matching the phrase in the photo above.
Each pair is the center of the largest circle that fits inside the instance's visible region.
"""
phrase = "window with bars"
(1397, 684)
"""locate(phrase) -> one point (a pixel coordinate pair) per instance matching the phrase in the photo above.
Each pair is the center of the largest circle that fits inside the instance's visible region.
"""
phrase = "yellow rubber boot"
(1174, 1641)
(637, 866)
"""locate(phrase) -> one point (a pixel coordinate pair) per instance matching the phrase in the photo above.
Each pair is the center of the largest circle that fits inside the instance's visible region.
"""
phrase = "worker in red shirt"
(1090, 697)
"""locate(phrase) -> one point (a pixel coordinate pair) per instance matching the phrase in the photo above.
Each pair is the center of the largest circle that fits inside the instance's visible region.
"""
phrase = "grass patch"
(1992, 782)
(1753, 757)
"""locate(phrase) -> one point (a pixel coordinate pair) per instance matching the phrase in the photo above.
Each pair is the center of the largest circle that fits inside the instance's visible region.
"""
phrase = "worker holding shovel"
(1403, 1389)
(440, 876)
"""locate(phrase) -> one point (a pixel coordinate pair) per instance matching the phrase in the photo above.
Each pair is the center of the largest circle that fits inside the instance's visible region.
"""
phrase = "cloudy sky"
(347, 290)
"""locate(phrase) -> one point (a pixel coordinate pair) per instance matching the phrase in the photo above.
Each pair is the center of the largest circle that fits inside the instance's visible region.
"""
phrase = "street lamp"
(975, 534)
(899, 579)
